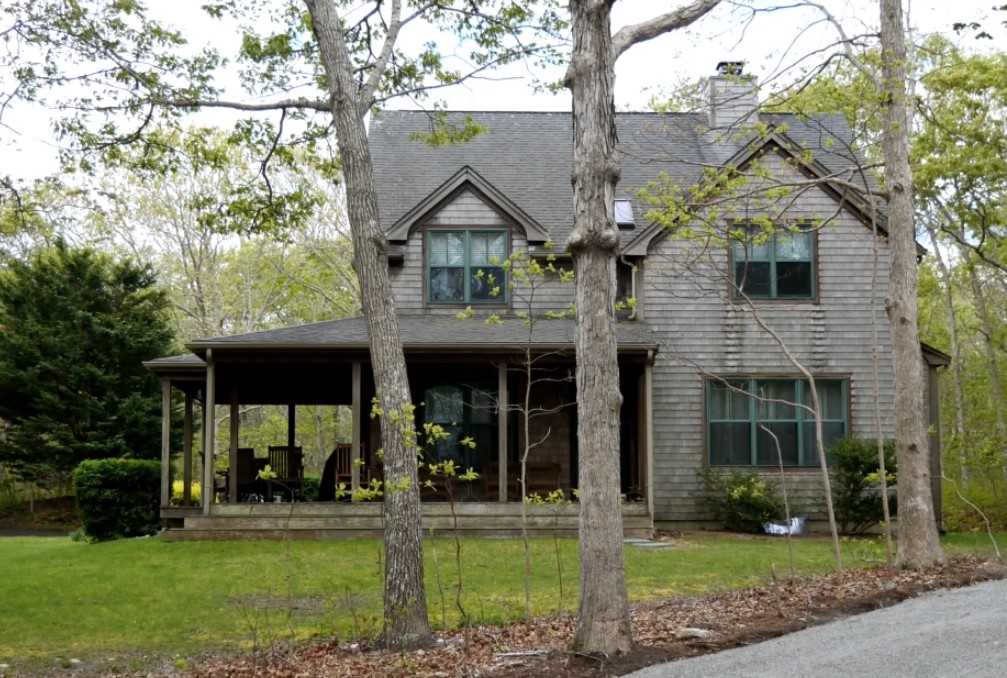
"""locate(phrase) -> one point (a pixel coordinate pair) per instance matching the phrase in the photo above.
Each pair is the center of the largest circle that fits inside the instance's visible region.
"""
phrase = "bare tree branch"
(628, 36)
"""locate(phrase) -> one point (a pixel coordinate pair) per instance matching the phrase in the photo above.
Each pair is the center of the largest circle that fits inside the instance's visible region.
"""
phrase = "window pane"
(487, 284)
(485, 438)
(448, 448)
(730, 444)
(754, 248)
(786, 433)
(444, 405)
(488, 248)
(447, 284)
(447, 248)
(793, 246)
(776, 395)
(793, 279)
(727, 402)
(830, 398)
(483, 408)
(831, 432)
(753, 278)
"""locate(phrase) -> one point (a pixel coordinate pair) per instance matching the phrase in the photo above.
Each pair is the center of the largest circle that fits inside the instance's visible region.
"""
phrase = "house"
(764, 255)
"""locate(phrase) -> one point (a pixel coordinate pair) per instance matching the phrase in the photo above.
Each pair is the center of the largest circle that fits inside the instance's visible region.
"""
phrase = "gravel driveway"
(959, 632)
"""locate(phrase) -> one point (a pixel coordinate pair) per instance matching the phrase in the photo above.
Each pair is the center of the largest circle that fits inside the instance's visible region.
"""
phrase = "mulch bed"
(664, 630)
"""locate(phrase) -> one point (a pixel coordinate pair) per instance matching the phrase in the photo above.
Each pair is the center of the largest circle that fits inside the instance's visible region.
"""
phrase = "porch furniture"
(288, 465)
(343, 454)
(542, 477)
(248, 473)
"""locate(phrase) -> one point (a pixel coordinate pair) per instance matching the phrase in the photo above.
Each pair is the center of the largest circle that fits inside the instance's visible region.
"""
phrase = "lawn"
(143, 596)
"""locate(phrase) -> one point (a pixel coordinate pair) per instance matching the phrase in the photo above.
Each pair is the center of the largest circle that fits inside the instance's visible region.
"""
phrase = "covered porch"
(469, 378)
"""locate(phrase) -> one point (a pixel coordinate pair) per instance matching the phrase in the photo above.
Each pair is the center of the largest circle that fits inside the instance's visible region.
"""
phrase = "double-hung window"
(748, 418)
(778, 265)
(466, 266)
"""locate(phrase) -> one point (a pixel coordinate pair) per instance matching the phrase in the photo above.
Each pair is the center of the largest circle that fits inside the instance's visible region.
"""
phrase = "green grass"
(71, 599)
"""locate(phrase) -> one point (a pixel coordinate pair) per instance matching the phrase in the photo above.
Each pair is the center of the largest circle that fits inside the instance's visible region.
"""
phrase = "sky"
(769, 42)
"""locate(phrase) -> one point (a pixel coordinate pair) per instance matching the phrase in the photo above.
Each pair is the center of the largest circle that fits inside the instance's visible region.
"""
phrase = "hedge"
(118, 498)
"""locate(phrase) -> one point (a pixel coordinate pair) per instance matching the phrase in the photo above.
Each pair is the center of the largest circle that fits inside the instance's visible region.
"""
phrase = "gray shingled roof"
(527, 157)
(426, 332)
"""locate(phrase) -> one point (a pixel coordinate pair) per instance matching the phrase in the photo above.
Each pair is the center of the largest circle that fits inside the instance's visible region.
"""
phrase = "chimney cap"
(730, 68)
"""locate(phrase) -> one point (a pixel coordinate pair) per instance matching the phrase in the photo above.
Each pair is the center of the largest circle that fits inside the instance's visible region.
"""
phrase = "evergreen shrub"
(118, 498)
(856, 483)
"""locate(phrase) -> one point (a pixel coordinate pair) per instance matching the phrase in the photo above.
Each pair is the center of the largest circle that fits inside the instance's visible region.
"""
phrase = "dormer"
(452, 247)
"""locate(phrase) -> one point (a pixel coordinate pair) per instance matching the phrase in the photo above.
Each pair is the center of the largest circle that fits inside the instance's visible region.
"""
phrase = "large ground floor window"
(748, 417)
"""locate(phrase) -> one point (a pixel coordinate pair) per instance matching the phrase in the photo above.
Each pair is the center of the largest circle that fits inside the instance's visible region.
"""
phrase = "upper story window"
(466, 266)
(780, 265)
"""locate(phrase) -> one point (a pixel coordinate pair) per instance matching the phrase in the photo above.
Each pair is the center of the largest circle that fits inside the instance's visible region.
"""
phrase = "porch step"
(354, 521)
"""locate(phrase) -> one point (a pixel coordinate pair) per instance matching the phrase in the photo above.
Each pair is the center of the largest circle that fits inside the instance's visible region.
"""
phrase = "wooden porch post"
(291, 424)
(209, 431)
(648, 429)
(187, 452)
(165, 442)
(232, 456)
(355, 428)
(503, 404)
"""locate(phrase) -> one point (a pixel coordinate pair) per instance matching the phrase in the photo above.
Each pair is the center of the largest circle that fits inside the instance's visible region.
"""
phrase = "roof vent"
(624, 214)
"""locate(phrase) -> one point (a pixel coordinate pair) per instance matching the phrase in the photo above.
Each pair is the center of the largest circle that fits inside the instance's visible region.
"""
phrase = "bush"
(742, 501)
(312, 483)
(178, 492)
(856, 482)
(118, 498)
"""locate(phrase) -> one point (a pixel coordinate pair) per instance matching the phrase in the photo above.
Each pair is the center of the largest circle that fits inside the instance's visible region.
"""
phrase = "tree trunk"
(956, 354)
(603, 626)
(918, 544)
(988, 346)
(405, 605)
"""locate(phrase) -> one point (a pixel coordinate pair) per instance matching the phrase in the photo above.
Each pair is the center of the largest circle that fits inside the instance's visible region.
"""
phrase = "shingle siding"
(702, 333)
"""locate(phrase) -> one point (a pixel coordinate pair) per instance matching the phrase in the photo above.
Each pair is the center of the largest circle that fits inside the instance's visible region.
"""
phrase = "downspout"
(632, 285)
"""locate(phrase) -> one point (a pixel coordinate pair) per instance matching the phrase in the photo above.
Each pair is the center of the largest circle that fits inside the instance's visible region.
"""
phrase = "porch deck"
(337, 520)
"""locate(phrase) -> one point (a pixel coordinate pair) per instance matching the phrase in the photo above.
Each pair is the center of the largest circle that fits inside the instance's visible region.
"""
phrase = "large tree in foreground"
(117, 76)
(75, 326)
(918, 543)
(603, 626)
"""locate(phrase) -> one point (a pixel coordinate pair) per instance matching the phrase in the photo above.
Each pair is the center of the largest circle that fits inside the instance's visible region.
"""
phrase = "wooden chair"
(288, 465)
(344, 465)
(248, 473)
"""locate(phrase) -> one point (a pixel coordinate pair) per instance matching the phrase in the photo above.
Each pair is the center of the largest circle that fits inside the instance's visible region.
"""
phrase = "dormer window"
(466, 266)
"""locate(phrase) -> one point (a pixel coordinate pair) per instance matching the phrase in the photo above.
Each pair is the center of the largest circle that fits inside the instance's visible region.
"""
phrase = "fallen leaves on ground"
(664, 630)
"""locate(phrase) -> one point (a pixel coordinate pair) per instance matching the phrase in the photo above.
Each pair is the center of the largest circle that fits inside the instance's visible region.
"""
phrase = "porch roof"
(420, 334)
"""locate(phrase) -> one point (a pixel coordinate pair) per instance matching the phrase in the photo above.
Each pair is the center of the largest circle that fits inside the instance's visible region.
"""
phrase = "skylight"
(624, 214)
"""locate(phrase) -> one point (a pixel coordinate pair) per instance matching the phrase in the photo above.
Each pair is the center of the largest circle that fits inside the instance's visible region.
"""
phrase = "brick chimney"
(733, 96)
